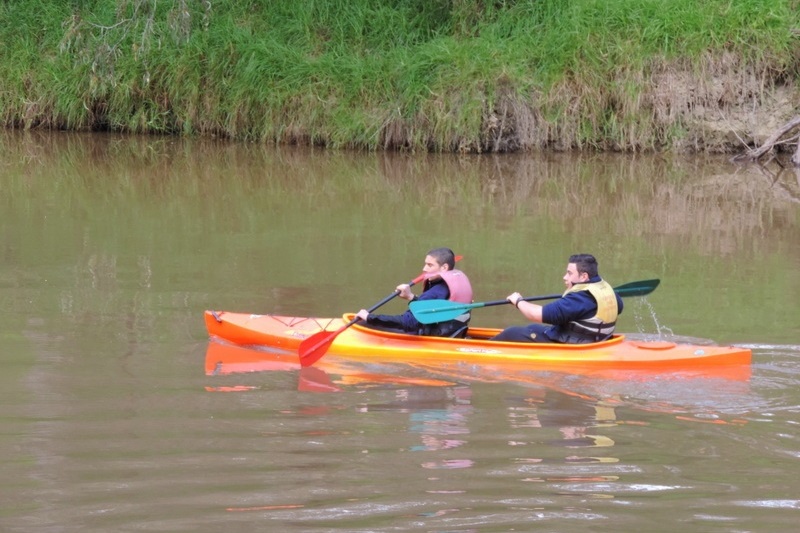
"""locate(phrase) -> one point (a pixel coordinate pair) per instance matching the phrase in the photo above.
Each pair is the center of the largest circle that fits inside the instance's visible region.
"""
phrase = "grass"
(463, 75)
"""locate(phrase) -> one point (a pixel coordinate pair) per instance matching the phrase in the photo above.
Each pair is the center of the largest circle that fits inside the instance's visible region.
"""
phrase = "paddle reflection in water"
(224, 359)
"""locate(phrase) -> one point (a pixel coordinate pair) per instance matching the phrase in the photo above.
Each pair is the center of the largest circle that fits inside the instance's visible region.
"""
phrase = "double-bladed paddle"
(314, 347)
(433, 311)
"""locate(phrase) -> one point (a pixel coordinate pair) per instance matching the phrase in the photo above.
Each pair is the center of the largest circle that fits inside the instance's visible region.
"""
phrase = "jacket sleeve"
(573, 306)
(392, 321)
(438, 291)
(407, 322)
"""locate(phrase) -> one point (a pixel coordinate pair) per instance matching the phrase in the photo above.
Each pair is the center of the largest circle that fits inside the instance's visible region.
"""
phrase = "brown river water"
(115, 417)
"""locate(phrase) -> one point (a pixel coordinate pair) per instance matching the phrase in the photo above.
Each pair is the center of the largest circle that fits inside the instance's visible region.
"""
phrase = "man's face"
(572, 276)
(432, 266)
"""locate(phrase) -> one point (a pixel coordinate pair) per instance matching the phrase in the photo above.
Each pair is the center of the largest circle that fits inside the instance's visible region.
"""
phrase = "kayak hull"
(285, 333)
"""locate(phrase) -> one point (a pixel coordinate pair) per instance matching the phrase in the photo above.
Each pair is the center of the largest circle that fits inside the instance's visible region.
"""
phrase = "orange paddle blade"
(314, 347)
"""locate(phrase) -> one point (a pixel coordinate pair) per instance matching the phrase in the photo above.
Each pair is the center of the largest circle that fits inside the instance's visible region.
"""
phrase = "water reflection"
(597, 391)
(562, 426)
(664, 196)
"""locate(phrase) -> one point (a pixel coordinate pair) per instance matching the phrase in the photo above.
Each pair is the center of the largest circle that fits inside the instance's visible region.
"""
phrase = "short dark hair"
(585, 263)
(444, 256)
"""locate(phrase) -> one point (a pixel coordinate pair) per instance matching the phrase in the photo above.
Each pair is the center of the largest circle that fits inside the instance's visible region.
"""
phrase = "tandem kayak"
(285, 333)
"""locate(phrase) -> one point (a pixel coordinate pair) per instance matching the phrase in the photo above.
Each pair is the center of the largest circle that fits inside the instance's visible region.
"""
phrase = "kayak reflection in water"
(587, 311)
(442, 282)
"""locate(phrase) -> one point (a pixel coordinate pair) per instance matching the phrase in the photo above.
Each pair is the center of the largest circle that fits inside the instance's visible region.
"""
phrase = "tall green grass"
(459, 75)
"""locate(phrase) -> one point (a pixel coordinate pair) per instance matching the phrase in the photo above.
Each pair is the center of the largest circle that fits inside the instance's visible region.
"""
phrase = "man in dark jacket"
(587, 312)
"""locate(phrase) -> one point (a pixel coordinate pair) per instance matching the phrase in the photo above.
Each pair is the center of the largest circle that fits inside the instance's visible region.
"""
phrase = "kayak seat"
(460, 333)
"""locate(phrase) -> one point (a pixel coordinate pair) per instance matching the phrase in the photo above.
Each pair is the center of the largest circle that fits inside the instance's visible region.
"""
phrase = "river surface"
(117, 417)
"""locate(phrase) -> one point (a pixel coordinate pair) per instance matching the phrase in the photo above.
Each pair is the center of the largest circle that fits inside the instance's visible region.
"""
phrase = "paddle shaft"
(433, 311)
(315, 346)
(381, 303)
(431, 315)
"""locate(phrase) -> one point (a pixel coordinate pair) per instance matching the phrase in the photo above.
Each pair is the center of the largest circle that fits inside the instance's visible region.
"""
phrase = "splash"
(644, 313)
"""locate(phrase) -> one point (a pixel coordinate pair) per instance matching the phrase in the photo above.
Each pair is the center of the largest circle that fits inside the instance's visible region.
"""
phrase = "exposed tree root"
(784, 135)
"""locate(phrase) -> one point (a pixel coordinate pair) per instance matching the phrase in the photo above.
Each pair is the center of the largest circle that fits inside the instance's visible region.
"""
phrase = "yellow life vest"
(601, 325)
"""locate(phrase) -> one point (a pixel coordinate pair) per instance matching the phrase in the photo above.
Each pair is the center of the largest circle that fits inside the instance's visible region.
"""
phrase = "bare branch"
(773, 140)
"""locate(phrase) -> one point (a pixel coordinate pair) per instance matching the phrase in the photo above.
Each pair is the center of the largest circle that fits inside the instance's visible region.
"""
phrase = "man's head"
(439, 260)
(580, 269)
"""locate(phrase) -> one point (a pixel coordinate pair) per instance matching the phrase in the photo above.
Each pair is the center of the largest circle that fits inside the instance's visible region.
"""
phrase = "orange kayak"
(361, 343)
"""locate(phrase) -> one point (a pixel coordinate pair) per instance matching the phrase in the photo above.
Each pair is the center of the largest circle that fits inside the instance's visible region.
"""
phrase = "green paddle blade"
(637, 288)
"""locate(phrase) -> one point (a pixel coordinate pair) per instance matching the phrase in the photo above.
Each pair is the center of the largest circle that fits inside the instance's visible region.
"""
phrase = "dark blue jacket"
(578, 305)
(438, 290)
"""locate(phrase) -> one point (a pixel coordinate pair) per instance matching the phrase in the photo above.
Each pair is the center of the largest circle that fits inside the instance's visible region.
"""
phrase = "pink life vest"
(459, 285)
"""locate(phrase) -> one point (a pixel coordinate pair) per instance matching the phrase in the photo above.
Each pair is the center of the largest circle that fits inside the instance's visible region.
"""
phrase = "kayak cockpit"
(477, 336)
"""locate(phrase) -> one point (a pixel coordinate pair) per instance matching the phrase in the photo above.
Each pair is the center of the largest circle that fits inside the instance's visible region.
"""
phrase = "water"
(116, 417)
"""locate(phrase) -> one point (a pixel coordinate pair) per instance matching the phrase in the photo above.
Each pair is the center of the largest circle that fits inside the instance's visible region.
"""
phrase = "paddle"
(432, 311)
(314, 347)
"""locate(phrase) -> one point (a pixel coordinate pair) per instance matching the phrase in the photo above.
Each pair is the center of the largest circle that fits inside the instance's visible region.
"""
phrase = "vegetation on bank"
(441, 75)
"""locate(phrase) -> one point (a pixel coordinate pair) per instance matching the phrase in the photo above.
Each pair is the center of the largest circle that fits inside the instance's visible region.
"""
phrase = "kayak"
(285, 333)
(224, 358)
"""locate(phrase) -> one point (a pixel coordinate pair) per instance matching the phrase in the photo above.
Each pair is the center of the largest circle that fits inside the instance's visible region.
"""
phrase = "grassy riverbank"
(459, 75)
